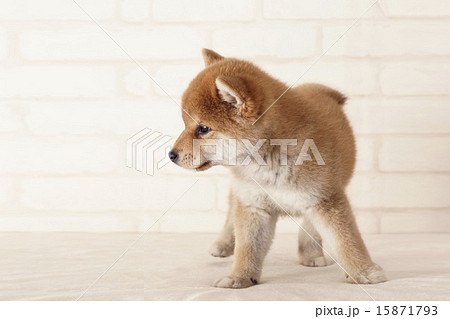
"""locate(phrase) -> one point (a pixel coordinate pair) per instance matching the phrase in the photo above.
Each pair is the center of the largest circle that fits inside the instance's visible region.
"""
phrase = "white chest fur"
(265, 188)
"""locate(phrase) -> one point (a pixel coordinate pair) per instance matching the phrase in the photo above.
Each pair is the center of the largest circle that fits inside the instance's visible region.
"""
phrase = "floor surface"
(163, 266)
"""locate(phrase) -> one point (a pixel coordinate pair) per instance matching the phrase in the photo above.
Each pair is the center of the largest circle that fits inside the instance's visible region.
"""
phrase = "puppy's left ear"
(235, 91)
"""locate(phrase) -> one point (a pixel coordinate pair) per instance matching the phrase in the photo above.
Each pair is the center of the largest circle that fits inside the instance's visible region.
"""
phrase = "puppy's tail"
(313, 90)
(336, 95)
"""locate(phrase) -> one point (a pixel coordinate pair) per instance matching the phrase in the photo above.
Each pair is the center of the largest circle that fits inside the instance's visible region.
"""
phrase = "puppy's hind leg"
(310, 252)
(224, 244)
(337, 226)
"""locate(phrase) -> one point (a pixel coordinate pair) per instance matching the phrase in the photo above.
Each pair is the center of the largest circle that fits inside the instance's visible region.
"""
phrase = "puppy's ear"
(210, 57)
(235, 91)
(224, 85)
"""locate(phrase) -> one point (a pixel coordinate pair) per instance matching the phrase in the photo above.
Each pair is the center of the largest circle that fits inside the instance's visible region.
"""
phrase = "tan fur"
(228, 96)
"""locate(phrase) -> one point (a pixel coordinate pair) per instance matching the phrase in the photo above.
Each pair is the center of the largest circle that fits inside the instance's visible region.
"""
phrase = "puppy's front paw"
(372, 275)
(234, 282)
(219, 249)
(320, 261)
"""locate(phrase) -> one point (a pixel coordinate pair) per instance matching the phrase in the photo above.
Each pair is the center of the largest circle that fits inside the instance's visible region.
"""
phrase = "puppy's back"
(331, 129)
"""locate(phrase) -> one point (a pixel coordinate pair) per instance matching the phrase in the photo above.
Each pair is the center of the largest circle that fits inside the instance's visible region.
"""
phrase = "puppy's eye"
(203, 130)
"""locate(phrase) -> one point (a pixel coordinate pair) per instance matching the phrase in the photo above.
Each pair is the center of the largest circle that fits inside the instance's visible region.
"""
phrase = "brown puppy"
(294, 158)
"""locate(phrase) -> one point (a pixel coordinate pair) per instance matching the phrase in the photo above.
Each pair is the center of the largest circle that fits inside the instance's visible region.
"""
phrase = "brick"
(415, 8)
(352, 78)
(268, 39)
(203, 10)
(7, 190)
(389, 39)
(419, 115)
(137, 82)
(415, 154)
(98, 222)
(10, 119)
(192, 221)
(364, 191)
(399, 190)
(135, 11)
(117, 117)
(100, 194)
(368, 222)
(365, 153)
(58, 156)
(407, 78)
(319, 9)
(174, 79)
(57, 81)
(415, 222)
(56, 10)
(68, 44)
(3, 43)
(91, 43)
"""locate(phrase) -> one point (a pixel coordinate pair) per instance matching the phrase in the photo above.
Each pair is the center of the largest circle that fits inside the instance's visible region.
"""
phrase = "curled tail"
(316, 90)
(336, 95)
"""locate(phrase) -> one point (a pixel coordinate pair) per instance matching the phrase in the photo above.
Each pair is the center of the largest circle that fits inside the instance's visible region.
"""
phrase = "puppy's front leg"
(224, 244)
(254, 229)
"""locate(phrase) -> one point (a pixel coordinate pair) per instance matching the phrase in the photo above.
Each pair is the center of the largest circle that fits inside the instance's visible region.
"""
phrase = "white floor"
(60, 266)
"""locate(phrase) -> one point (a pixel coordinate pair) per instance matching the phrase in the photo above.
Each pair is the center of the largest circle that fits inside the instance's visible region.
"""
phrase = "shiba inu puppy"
(267, 135)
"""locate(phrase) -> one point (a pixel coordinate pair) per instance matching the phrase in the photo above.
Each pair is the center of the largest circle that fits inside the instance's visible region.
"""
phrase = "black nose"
(173, 155)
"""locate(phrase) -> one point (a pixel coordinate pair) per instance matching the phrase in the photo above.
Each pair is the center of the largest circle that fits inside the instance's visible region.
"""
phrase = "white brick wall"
(203, 10)
(91, 43)
(19, 10)
(412, 78)
(6, 192)
(389, 115)
(40, 81)
(390, 38)
(119, 117)
(415, 8)
(319, 9)
(85, 194)
(135, 11)
(366, 156)
(398, 190)
(415, 154)
(11, 121)
(267, 39)
(3, 43)
(70, 98)
(174, 85)
(58, 155)
(352, 77)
